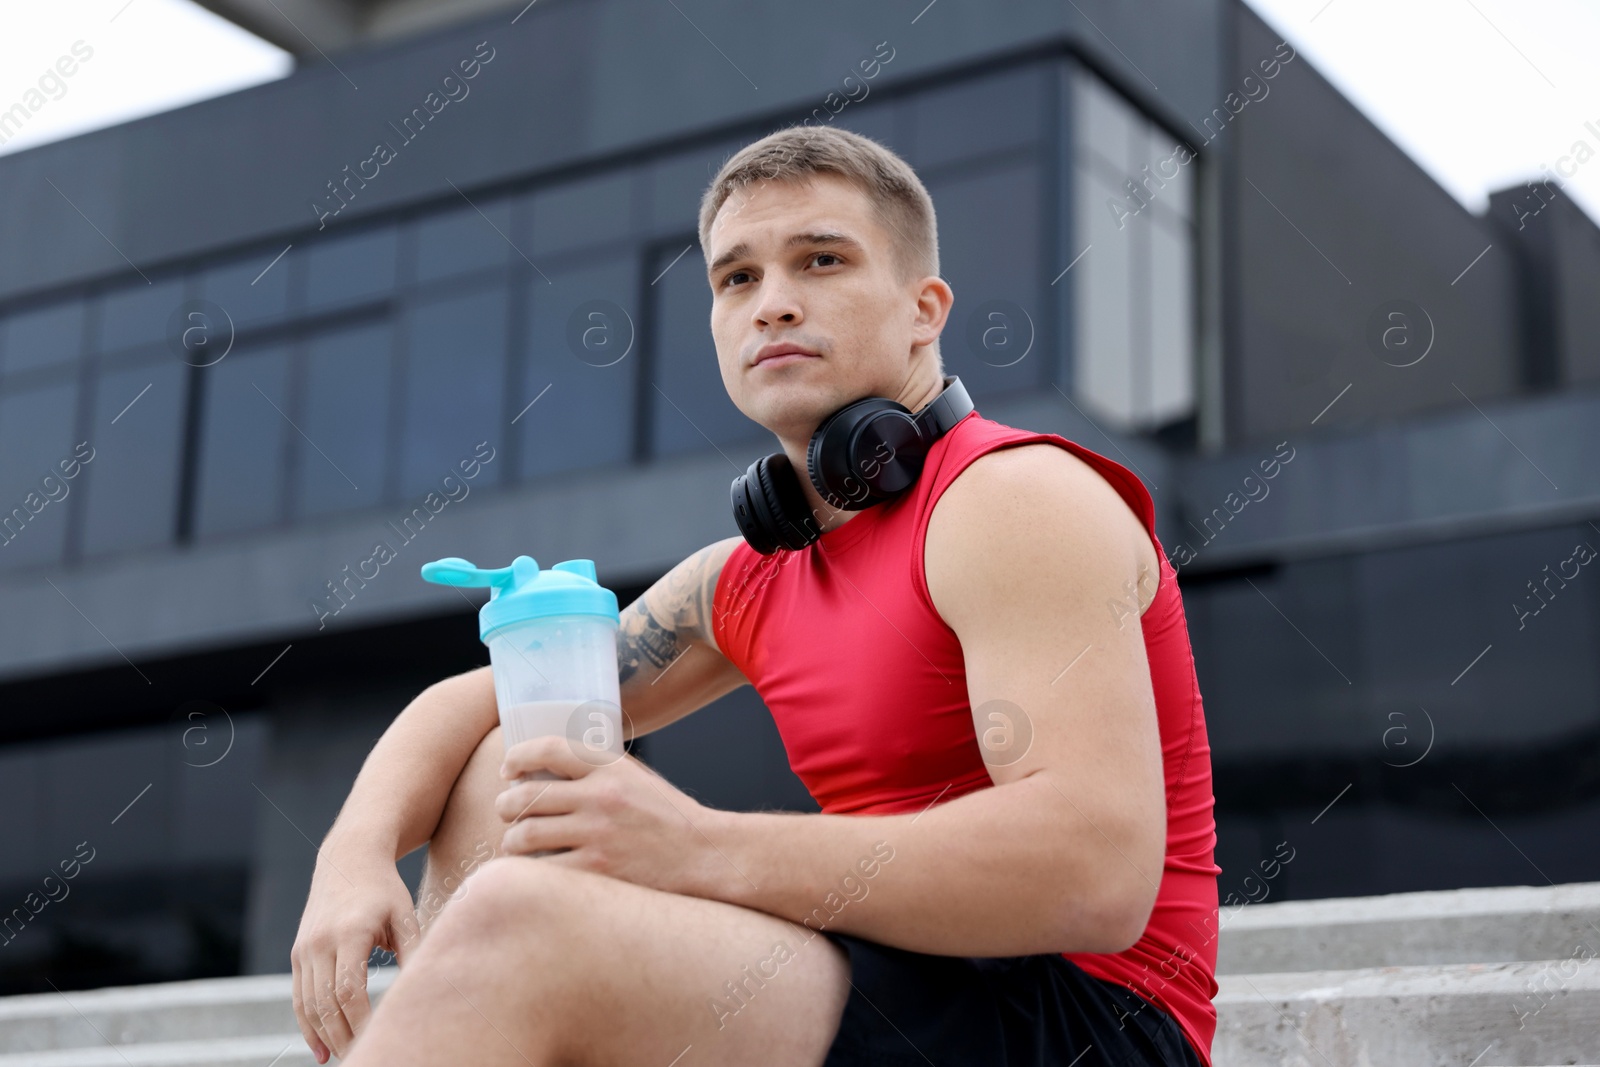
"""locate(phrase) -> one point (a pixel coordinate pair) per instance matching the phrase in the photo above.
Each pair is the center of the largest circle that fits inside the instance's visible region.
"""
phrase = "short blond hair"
(900, 201)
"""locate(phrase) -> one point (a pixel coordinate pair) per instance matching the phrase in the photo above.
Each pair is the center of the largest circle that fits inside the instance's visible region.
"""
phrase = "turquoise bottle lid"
(522, 591)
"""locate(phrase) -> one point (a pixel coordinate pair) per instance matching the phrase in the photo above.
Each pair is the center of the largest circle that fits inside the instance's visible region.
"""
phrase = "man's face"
(811, 265)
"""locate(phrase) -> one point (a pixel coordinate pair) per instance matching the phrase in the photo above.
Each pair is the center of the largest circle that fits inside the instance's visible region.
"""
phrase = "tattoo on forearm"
(650, 638)
(644, 640)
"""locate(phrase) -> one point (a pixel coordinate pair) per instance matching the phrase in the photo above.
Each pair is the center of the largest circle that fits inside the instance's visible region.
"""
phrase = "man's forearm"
(1010, 870)
(397, 799)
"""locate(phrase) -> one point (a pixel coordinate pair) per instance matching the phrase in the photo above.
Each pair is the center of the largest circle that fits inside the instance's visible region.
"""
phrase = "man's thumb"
(402, 934)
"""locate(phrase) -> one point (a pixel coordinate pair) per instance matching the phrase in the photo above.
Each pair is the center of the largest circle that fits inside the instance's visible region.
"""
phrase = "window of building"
(690, 410)
(463, 240)
(455, 379)
(581, 368)
(36, 426)
(48, 336)
(136, 432)
(243, 441)
(339, 459)
(345, 270)
(1133, 289)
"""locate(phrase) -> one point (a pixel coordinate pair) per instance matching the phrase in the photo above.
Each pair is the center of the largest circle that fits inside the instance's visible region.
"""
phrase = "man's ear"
(934, 300)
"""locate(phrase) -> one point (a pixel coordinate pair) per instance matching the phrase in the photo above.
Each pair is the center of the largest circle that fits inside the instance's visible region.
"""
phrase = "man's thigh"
(627, 974)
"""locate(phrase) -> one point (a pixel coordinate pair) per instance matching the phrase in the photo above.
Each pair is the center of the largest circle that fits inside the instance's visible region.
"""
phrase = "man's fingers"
(313, 1042)
(331, 1024)
(350, 988)
(305, 1012)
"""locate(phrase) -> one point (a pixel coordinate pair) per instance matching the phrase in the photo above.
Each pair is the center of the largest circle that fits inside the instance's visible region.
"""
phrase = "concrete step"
(1476, 977)
(1460, 1014)
(1408, 929)
(273, 1050)
(158, 1014)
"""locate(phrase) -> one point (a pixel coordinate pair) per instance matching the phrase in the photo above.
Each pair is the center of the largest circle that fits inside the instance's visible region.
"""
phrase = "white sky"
(1478, 92)
(149, 56)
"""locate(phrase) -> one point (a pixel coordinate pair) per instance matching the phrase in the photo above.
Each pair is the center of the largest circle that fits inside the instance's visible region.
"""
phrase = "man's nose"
(778, 303)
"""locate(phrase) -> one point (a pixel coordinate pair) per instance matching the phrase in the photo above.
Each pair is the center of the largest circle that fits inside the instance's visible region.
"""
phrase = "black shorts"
(909, 1009)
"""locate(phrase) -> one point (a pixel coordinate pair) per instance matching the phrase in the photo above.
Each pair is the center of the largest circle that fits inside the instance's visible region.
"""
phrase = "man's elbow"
(1122, 898)
(1127, 915)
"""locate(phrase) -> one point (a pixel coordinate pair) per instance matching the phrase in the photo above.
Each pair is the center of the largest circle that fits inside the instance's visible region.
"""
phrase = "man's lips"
(782, 353)
(785, 358)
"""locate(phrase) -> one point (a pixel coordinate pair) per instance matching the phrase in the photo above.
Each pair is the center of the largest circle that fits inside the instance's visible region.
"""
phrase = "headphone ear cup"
(849, 480)
(792, 520)
(767, 505)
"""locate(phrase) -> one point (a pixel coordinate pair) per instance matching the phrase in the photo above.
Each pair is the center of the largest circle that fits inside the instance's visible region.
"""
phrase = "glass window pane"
(461, 240)
(586, 417)
(1103, 338)
(242, 452)
(133, 481)
(35, 437)
(1106, 125)
(349, 376)
(348, 269)
(1171, 323)
(1171, 181)
(1134, 291)
(689, 403)
(43, 337)
(455, 385)
(674, 185)
(138, 315)
(249, 296)
(587, 212)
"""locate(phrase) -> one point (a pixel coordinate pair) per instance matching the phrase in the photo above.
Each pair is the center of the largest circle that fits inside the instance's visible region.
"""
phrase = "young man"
(984, 680)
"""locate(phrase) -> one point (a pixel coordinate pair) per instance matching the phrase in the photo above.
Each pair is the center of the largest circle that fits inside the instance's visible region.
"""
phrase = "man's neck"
(915, 396)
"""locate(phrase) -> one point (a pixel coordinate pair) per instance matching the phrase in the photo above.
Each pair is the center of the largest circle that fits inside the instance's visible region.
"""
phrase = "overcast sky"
(1479, 92)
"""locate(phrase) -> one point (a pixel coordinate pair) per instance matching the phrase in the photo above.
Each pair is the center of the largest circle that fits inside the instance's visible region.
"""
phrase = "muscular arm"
(667, 655)
(1025, 552)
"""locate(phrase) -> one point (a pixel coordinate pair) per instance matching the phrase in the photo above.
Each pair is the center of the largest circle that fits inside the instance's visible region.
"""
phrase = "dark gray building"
(245, 342)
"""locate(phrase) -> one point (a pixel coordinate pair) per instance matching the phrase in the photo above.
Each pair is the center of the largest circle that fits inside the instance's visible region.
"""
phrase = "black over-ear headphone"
(866, 452)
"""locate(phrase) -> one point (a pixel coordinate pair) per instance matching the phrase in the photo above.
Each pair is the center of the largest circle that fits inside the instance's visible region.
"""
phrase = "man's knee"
(509, 895)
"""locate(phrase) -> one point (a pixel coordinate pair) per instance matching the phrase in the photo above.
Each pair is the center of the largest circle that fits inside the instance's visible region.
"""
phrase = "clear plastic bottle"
(552, 637)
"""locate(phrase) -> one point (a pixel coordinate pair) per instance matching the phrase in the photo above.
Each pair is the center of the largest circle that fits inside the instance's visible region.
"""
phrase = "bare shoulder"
(693, 586)
(1028, 513)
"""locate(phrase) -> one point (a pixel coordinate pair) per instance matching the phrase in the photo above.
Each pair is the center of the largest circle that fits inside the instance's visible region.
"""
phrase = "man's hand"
(619, 818)
(353, 905)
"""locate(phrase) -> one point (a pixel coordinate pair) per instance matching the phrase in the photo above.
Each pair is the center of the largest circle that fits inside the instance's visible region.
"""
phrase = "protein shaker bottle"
(552, 637)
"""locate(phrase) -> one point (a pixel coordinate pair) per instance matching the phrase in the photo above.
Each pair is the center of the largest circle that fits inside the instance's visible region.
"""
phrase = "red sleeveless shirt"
(867, 686)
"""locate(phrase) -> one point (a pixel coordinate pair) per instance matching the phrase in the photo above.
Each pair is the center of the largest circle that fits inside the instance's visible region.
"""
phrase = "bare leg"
(469, 831)
(543, 965)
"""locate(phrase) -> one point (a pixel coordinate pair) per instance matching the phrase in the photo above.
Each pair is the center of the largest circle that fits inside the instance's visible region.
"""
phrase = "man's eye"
(830, 255)
(729, 279)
